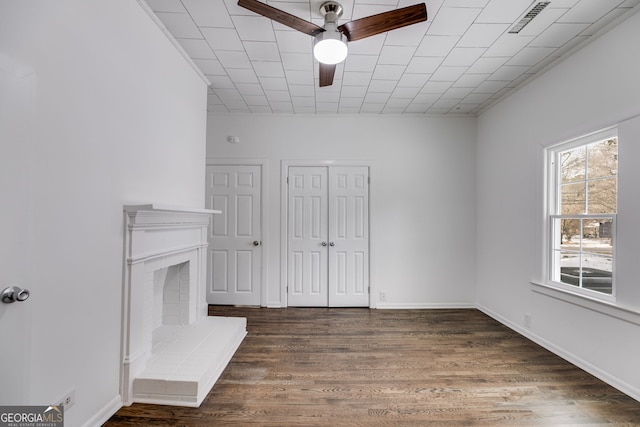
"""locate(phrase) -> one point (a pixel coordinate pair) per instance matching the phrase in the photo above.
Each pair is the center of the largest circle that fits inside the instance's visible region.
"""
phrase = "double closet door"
(328, 236)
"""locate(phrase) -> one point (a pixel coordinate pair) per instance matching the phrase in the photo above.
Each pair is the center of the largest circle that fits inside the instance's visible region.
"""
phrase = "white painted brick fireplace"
(172, 352)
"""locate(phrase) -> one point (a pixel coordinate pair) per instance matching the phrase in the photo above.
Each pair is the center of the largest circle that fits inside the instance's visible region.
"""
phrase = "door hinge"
(287, 180)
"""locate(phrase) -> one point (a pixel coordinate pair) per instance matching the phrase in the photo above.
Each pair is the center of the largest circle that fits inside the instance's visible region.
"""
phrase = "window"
(582, 214)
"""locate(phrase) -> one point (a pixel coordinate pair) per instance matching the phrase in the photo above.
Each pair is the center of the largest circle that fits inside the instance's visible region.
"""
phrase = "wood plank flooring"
(361, 367)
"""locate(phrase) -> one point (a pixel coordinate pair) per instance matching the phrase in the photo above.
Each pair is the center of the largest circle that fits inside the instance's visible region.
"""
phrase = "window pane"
(603, 158)
(572, 199)
(602, 196)
(570, 234)
(597, 273)
(597, 236)
(570, 268)
(573, 164)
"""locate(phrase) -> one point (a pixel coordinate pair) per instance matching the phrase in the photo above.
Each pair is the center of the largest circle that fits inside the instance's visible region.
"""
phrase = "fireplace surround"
(172, 352)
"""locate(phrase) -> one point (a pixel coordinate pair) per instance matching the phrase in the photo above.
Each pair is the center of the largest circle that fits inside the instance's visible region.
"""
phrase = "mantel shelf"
(167, 208)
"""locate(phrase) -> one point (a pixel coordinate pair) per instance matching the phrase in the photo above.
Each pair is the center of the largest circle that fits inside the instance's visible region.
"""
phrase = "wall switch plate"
(382, 296)
(67, 400)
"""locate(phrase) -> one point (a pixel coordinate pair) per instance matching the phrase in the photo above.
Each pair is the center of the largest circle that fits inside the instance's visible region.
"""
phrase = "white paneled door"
(328, 236)
(235, 236)
(17, 107)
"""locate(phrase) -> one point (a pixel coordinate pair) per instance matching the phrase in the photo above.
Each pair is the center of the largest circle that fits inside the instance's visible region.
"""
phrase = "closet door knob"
(324, 243)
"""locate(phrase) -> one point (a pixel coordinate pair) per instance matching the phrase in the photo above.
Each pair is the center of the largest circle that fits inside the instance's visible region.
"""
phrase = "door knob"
(256, 243)
(324, 243)
(13, 294)
(332, 244)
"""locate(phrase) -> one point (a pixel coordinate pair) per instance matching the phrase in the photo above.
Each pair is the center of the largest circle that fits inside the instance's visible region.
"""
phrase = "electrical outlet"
(527, 321)
(67, 401)
(382, 296)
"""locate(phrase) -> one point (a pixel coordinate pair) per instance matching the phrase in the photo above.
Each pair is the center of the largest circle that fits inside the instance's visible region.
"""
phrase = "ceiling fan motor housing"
(331, 36)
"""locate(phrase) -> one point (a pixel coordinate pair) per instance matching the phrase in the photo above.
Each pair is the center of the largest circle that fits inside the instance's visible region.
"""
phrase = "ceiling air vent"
(535, 10)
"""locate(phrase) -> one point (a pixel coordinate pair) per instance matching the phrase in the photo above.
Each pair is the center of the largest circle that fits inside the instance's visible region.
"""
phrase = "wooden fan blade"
(281, 16)
(383, 22)
(326, 74)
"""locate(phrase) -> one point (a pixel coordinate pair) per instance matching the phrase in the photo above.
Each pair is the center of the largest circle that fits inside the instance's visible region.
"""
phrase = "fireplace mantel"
(158, 237)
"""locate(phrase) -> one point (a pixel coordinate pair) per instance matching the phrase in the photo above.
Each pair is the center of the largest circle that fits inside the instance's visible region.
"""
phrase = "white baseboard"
(103, 415)
(613, 381)
(419, 306)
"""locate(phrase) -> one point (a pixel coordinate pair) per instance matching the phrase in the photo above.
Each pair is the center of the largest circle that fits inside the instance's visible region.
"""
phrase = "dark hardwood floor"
(361, 367)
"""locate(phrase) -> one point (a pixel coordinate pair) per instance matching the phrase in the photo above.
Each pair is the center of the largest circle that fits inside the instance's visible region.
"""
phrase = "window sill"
(604, 307)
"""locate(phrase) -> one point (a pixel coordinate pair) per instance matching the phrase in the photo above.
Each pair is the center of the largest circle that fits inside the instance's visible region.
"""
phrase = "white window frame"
(553, 172)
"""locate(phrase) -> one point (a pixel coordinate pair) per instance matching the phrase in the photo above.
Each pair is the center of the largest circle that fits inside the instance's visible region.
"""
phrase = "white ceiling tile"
(351, 102)
(427, 98)
(197, 48)
(369, 46)
(268, 69)
(504, 11)
(174, 6)
(388, 72)
(328, 96)
(558, 34)
(221, 82)
(508, 45)
(273, 83)
(262, 51)
(327, 107)
(457, 92)
(233, 8)
(405, 92)
(278, 95)
(452, 21)
(398, 103)
(407, 36)
(297, 61)
(476, 98)
(436, 87)
(462, 56)
(436, 45)
(382, 85)
(490, 86)
(222, 38)
(562, 4)
(424, 65)
(299, 77)
(217, 109)
(448, 74)
(361, 63)
(372, 108)
(180, 25)
(470, 80)
(487, 65)
(356, 78)
(589, 11)
(294, 41)
(250, 89)
(530, 56)
(508, 72)
(399, 55)
(243, 76)
(348, 110)
(255, 100)
(210, 67)
(446, 103)
(208, 13)
(413, 80)
(482, 35)
(354, 91)
(377, 97)
(233, 59)
(361, 10)
(281, 107)
(254, 28)
(465, 3)
(416, 108)
(299, 9)
(301, 90)
(303, 101)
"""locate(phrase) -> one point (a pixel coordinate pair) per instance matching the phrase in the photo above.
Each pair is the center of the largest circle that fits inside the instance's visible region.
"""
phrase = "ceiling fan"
(332, 36)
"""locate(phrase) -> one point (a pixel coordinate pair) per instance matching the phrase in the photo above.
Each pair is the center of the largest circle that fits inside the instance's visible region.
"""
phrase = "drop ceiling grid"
(460, 61)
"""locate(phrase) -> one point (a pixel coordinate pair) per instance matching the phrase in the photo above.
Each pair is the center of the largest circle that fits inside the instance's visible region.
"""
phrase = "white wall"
(120, 119)
(594, 88)
(422, 201)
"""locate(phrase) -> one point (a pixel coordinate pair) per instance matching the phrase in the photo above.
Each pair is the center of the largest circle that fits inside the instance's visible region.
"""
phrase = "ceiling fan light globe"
(330, 51)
